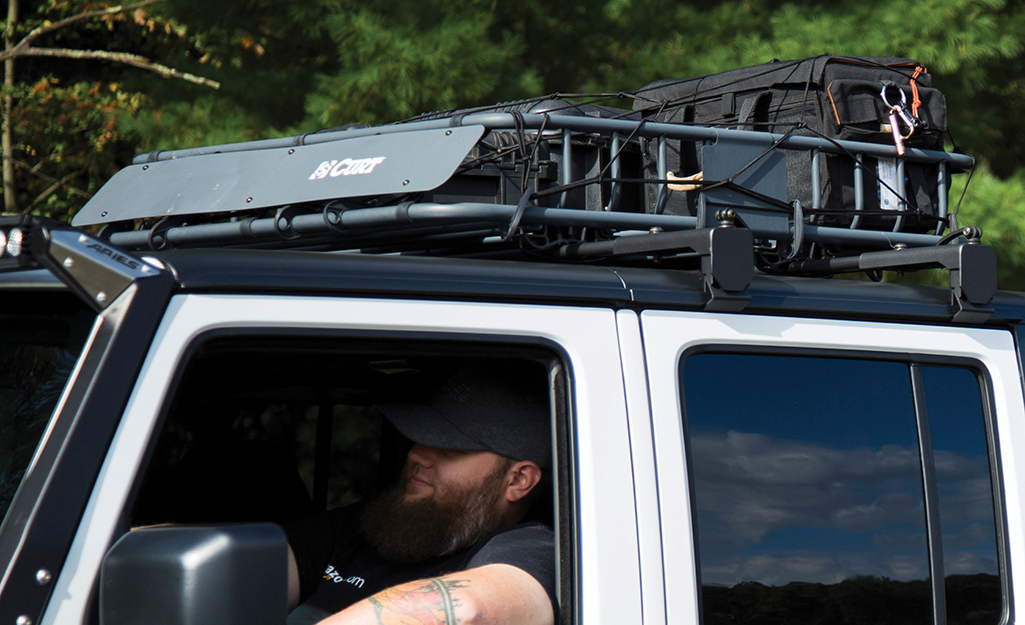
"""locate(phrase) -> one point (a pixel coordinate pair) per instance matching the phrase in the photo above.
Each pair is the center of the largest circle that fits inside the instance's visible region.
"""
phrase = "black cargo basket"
(553, 180)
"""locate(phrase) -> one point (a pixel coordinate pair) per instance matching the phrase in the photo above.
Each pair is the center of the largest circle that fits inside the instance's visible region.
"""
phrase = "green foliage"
(406, 64)
(208, 120)
(968, 45)
(995, 205)
(68, 141)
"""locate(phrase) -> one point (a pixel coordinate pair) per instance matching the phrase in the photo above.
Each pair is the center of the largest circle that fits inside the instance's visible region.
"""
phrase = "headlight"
(13, 245)
(15, 242)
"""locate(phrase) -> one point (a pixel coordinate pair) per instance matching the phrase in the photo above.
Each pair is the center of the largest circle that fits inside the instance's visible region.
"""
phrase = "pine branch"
(23, 47)
(47, 28)
(126, 58)
(53, 188)
(51, 179)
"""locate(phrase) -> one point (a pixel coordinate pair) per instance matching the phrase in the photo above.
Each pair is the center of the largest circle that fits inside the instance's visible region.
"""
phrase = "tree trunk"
(10, 203)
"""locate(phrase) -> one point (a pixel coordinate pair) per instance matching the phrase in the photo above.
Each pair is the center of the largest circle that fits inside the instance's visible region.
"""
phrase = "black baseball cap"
(495, 406)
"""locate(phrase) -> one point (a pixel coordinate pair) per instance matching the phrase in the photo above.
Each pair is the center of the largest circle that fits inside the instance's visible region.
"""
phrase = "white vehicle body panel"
(607, 543)
(667, 335)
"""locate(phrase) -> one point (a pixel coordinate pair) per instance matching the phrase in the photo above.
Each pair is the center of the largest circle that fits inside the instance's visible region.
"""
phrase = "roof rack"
(572, 185)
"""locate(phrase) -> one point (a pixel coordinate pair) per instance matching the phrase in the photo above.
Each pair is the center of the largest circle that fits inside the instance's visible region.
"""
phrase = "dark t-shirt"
(338, 567)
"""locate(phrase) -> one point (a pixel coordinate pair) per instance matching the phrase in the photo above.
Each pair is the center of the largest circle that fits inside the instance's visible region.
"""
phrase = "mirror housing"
(199, 575)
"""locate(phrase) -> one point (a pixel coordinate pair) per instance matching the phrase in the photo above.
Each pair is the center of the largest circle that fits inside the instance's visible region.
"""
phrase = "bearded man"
(448, 544)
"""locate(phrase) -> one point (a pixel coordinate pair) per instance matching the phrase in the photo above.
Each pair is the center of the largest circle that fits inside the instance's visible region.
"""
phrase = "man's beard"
(413, 531)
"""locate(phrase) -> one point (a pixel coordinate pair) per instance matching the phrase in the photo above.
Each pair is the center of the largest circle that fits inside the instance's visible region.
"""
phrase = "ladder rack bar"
(567, 165)
(616, 169)
(534, 121)
(859, 192)
(902, 200)
(663, 174)
(816, 178)
(271, 229)
(941, 192)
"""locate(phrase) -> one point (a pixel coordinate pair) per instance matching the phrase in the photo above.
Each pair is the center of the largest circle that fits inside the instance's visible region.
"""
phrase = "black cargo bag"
(499, 157)
(827, 96)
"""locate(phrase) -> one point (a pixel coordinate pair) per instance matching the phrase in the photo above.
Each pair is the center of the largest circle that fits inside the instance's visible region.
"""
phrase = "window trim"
(434, 344)
(914, 363)
(931, 499)
(45, 514)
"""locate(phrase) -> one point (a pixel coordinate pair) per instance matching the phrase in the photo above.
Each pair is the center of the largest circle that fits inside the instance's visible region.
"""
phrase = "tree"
(67, 129)
(325, 63)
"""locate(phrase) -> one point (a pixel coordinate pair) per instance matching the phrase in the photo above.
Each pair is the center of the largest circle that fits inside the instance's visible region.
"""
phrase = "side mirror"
(198, 575)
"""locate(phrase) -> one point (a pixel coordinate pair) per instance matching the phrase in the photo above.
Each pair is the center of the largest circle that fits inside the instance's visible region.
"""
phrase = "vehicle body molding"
(406, 162)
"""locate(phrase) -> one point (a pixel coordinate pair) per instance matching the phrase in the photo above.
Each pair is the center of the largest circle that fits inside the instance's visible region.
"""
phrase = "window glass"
(964, 488)
(306, 432)
(809, 496)
(41, 337)
(280, 428)
(272, 429)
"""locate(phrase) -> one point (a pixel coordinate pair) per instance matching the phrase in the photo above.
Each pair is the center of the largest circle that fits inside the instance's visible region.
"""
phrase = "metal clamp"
(157, 238)
(283, 223)
(333, 216)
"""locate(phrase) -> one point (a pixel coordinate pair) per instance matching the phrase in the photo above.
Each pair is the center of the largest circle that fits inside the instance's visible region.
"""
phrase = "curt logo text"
(346, 167)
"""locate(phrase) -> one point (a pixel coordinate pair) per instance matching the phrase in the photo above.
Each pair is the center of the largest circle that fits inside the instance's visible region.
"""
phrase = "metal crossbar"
(580, 124)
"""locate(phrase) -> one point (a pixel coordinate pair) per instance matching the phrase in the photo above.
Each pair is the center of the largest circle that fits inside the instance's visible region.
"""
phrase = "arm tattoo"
(430, 603)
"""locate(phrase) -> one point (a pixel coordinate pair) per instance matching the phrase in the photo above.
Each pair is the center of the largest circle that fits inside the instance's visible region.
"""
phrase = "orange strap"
(916, 102)
(829, 92)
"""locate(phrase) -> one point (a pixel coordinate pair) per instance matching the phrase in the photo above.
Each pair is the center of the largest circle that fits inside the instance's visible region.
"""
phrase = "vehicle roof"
(35, 279)
(318, 273)
(420, 277)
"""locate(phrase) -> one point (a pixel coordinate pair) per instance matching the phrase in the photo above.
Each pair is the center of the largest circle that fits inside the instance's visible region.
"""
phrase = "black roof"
(419, 277)
(395, 276)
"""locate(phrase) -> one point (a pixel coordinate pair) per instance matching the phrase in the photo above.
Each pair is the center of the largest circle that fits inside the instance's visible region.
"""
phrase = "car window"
(40, 341)
(277, 428)
(837, 490)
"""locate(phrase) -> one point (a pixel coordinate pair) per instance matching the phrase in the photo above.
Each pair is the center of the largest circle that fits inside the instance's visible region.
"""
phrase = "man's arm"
(494, 594)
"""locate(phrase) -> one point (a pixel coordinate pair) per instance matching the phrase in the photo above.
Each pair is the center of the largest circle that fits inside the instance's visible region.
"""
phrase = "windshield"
(41, 337)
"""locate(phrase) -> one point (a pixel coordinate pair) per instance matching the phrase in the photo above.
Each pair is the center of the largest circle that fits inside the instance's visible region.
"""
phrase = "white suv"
(733, 445)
